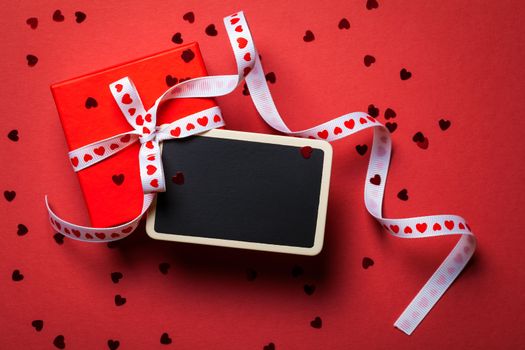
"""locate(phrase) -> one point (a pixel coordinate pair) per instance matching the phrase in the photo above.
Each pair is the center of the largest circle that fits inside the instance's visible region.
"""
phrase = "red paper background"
(466, 61)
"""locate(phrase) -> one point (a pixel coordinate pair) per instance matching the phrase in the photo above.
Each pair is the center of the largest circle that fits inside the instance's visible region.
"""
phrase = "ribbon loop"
(129, 103)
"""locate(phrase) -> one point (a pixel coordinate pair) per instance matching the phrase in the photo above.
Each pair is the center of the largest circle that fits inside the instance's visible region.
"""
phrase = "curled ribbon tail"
(94, 234)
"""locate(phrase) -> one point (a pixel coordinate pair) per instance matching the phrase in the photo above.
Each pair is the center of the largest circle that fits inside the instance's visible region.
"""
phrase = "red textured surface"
(466, 61)
(107, 203)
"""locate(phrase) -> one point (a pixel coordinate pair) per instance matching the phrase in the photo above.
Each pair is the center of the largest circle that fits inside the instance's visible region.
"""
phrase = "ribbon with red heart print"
(249, 67)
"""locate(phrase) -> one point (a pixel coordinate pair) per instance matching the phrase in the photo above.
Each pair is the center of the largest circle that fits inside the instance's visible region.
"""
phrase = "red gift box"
(112, 188)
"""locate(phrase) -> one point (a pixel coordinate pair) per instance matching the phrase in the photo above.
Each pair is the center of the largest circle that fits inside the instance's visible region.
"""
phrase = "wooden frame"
(271, 139)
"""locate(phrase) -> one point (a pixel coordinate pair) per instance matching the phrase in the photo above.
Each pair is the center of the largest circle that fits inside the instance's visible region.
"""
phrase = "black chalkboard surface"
(244, 190)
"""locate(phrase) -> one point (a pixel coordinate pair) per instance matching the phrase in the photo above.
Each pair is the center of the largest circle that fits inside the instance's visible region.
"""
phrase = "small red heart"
(394, 228)
(66, 230)
(57, 224)
(449, 224)
(247, 57)
(461, 226)
(362, 120)
(74, 161)
(408, 229)
(100, 235)
(148, 118)
(127, 229)
(216, 118)
(367, 262)
(145, 130)
(421, 227)
(376, 180)
(151, 169)
(178, 178)
(242, 43)
(139, 120)
(371, 119)
(323, 134)
(238, 28)
(151, 158)
(149, 144)
(436, 227)
(203, 121)
(126, 99)
(337, 130)
(350, 124)
(87, 157)
(99, 150)
(308, 36)
(119, 87)
(234, 20)
(76, 232)
(190, 126)
(125, 138)
(118, 179)
(115, 235)
(113, 146)
(33, 22)
(175, 132)
(306, 152)
(89, 236)
(131, 111)
(154, 183)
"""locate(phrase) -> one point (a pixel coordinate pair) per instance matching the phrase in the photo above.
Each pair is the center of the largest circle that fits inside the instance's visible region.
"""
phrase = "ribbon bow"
(146, 132)
(249, 67)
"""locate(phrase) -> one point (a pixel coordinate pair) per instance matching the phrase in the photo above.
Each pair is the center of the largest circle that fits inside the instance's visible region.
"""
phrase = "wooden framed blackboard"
(244, 190)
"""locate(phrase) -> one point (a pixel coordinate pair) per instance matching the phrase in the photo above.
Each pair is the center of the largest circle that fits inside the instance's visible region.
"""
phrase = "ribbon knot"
(145, 124)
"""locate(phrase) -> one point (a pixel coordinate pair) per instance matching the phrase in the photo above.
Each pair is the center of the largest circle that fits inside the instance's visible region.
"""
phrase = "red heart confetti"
(32, 22)
(177, 38)
(344, 24)
(189, 16)
(306, 152)
(178, 178)
(308, 36)
(376, 180)
(211, 30)
(368, 60)
(58, 16)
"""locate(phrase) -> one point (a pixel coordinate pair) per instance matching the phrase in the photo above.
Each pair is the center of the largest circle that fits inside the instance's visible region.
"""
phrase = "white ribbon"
(249, 67)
